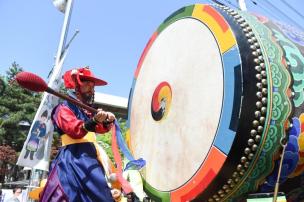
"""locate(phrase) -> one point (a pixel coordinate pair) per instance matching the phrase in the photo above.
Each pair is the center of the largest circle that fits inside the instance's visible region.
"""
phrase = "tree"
(17, 106)
(2, 86)
(7, 156)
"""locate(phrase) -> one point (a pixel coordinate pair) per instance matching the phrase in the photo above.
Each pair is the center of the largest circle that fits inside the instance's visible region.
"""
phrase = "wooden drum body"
(213, 94)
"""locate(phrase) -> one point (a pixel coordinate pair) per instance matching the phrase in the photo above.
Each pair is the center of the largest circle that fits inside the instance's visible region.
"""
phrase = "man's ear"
(77, 93)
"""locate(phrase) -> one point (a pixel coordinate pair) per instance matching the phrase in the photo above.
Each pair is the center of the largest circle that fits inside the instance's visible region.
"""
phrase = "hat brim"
(97, 82)
(35, 193)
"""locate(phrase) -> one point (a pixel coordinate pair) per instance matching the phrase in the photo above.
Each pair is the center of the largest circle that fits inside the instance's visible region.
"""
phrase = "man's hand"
(110, 117)
(131, 197)
(100, 116)
(116, 194)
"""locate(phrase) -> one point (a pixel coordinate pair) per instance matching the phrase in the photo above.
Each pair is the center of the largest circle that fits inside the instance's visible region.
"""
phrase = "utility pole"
(65, 7)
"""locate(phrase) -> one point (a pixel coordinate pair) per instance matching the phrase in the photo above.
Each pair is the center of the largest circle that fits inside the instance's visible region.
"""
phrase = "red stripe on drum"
(143, 55)
(194, 192)
(212, 12)
(202, 178)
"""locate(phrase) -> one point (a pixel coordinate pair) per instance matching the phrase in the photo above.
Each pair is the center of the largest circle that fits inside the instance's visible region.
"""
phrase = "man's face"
(43, 119)
(18, 194)
(87, 91)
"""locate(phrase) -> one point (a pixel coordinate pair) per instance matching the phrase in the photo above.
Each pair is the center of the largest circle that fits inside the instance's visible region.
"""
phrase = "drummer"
(77, 173)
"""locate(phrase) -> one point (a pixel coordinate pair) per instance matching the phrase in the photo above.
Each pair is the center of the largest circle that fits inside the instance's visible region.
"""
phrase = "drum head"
(189, 110)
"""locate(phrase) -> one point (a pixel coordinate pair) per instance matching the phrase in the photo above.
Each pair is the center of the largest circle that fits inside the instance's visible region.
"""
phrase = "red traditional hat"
(80, 74)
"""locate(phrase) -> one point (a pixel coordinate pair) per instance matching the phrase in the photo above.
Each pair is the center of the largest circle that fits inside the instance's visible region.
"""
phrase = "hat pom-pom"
(68, 80)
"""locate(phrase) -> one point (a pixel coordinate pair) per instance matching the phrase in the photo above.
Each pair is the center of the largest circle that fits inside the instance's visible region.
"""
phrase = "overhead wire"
(218, 2)
(269, 8)
(264, 9)
(225, 4)
(283, 14)
(229, 2)
(293, 9)
(211, 1)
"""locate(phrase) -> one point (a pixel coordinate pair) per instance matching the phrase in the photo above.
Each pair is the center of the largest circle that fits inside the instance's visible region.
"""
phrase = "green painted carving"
(278, 108)
(296, 65)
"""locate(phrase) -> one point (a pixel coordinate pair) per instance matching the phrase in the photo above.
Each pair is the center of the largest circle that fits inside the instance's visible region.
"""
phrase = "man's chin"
(88, 102)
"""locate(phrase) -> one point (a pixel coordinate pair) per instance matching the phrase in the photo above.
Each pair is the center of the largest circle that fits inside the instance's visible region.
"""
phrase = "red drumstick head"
(31, 81)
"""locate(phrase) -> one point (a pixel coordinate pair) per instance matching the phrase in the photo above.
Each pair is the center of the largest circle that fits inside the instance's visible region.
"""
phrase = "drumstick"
(35, 83)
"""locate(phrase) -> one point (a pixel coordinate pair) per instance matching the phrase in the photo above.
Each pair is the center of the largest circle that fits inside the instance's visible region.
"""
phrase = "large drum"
(214, 93)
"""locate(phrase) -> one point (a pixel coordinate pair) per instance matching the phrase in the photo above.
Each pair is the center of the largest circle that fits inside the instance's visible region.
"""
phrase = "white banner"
(37, 147)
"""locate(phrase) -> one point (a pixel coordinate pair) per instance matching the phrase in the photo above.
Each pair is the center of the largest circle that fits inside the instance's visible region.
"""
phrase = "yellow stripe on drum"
(217, 24)
(128, 139)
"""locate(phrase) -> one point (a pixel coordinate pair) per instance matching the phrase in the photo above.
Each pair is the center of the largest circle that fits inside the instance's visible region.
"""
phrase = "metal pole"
(284, 142)
(64, 31)
(242, 5)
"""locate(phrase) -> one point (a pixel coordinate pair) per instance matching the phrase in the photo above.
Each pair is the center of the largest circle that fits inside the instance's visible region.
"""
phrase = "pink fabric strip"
(126, 187)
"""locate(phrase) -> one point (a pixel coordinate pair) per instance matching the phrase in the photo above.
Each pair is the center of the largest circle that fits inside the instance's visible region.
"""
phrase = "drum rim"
(180, 14)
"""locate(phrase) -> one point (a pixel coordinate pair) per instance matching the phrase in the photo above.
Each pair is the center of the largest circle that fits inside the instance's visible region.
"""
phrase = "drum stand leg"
(276, 189)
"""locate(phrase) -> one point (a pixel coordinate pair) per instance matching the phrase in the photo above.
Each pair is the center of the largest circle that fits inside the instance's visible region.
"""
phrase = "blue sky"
(112, 34)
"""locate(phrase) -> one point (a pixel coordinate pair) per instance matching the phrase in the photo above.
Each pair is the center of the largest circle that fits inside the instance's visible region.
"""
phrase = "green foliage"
(2, 85)
(17, 106)
(105, 140)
